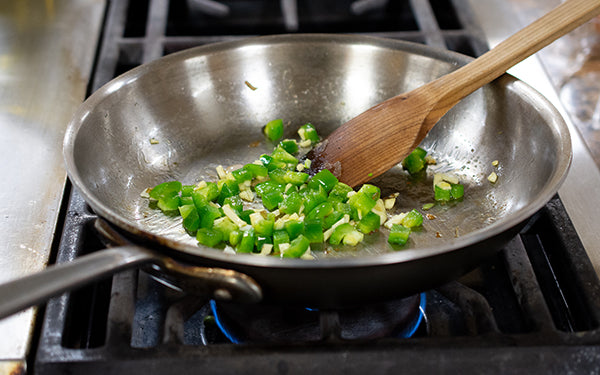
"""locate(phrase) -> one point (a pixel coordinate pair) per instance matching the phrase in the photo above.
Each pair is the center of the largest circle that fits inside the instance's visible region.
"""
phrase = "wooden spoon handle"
(452, 87)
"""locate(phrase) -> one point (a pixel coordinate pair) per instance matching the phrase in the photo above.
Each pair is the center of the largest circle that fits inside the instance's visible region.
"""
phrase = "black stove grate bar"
(125, 47)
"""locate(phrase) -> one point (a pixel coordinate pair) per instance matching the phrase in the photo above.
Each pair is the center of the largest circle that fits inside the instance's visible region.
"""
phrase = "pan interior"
(183, 115)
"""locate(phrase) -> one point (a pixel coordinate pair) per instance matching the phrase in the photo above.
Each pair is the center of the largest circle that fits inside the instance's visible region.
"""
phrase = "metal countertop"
(46, 55)
(581, 190)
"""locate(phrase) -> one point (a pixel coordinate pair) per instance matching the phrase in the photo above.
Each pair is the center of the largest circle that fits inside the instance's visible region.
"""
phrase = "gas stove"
(533, 308)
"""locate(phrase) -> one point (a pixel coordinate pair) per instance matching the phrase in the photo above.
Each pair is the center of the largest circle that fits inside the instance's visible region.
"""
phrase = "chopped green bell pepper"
(279, 237)
(297, 248)
(294, 228)
(290, 145)
(442, 191)
(191, 219)
(273, 130)
(324, 178)
(281, 155)
(291, 203)
(209, 237)
(308, 132)
(398, 234)
(167, 195)
(457, 191)
(346, 234)
(369, 223)
(340, 190)
(208, 214)
(246, 244)
(313, 230)
(412, 219)
(270, 163)
(415, 161)
(314, 197)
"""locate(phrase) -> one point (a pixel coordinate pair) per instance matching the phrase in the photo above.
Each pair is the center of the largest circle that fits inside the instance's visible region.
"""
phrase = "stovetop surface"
(534, 306)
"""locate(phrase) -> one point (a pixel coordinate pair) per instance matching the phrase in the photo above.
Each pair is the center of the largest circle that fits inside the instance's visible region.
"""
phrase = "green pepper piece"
(324, 178)
(167, 203)
(210, 191)
(291, 203)
(208, 214)
(427, 206)
(191, 219)
(415, 161)
(457, 191)
(267, 187)
(294, 228)
(369, 223)
(442, 191)
(314, 197)
(321, 211)
(261, 241)
(412, 219)
(362, 203)
(297, 248)
(241, 175)
(246, 244)
(278, 176)
(185, 201)
(290, 145)
(289, 189)
(256, 170)
(371, 191)
(398, 234)
(270, 163)
(167, 189)
(273, 130)
(167, 195)
(345, 208)
(245, 215)
(279, 237)
(340, 232)
(199, 199)
(272, 199)
(295, 178)
(313, 230)
(229, 188)
(281, 155)
(226, 226)
(262, 226)
(209, 237)
(308, 132)
(341, 191)
(331, 219)
(235, 236)
(235, 202)
(186, 190)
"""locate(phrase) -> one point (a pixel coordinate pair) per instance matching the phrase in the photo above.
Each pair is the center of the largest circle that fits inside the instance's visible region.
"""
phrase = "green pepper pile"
(299, 210)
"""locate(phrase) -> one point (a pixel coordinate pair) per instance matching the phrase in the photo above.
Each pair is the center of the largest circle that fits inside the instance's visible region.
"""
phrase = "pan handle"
(31, 290)
(215, 283)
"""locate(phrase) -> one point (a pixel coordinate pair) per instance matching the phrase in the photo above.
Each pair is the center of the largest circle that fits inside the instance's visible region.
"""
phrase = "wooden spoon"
(379, 138)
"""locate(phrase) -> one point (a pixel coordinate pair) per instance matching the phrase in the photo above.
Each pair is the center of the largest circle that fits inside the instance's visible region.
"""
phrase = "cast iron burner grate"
(534, 307)
(504, 314)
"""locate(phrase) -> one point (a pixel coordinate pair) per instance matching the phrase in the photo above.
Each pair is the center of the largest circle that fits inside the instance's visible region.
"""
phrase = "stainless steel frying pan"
(206, 107)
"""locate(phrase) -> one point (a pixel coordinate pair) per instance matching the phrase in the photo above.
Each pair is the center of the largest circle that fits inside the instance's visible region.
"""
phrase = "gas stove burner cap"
(277, 324)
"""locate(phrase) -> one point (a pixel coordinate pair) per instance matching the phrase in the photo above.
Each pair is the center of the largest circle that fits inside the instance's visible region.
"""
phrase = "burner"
(275, 324)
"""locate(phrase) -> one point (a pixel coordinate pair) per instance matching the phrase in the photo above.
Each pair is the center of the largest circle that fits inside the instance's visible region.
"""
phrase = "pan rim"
(208, 254)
